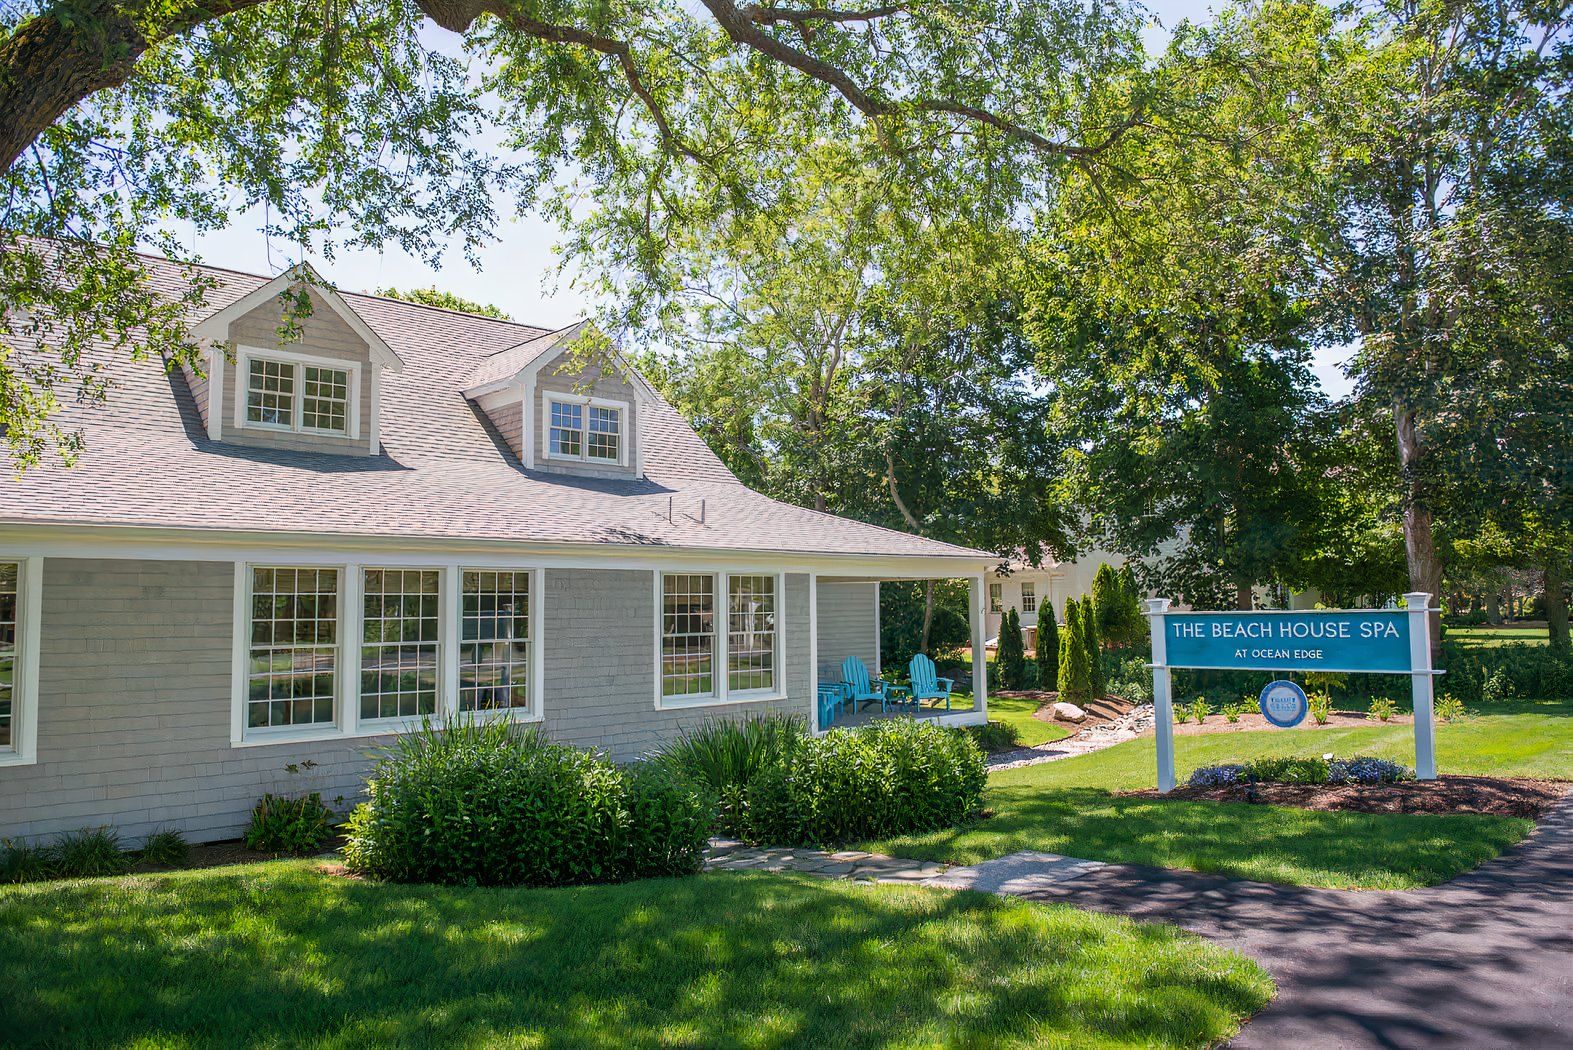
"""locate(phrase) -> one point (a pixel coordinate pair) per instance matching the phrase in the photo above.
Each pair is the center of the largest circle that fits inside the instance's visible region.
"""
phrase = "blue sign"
(1361, 641)
(1284, 704)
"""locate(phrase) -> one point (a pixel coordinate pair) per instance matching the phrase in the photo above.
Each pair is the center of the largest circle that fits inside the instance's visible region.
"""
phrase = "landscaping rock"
(1068, 712)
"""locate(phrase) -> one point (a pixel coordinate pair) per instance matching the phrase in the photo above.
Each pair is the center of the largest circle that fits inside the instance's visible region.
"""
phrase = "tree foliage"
(1010, 658)
(1093, 641)
(1047, 653)
(1075, 669)
(445, 300)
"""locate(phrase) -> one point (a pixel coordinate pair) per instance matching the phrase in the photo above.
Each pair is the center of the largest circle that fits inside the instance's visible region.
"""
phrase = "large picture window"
(10, 607)
(494, 646)
(751, 633)
(687, 635)
(301, 396)
(399, 635)
(292, 665)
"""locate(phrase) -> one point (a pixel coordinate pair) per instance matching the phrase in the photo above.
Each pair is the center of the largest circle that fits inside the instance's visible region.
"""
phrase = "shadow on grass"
(1266, 843)
(281, 954)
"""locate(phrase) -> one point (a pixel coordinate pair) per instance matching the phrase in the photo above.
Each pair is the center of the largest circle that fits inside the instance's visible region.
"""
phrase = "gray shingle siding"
(848, 626)
(135, 696)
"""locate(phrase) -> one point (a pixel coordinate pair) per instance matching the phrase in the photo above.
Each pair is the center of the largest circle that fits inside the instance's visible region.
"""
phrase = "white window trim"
(625, 416)
(722, 694)
(23, 750)
(1024, 596)
(996, 601)
(348, 725)
(246, 354)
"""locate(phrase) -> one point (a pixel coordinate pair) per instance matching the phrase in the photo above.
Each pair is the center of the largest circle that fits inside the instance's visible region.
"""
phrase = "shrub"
(1287, 770)
(1382, 709)
(1047, 655)
(1011, 660)
(1321, 707)
(88, 853)
(166, 848)
(1367, 771)
(725, 754)
(1094, 642)
(25, 863)
(994, 736)
(1535, 671)
(1075, 669)
(1216, 776)
(281, 824)
(1449, 708)
(896, 776)
(1198, 710)
(487, 804)
(1497, 687)
(1235, 708)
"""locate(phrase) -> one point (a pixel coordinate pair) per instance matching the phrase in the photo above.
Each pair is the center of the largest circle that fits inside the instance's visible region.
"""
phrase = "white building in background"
(1018, 585)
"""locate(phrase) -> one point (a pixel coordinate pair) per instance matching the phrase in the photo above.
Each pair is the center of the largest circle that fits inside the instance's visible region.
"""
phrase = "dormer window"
(585, 428)
(300, 394)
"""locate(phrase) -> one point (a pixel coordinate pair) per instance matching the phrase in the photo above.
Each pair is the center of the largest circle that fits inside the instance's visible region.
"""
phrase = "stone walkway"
(1483, 961)
(1094, 738)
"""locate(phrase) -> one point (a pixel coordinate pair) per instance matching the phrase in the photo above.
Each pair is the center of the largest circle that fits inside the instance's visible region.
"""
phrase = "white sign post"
(1359, 641)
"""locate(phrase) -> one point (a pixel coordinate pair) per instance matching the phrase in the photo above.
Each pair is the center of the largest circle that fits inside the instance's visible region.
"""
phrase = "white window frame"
(1025, 594)
(246, 354)
(537, 681)
(722, 693)
(347, 722)
(624, 438)
(23, 749)
(996, 597)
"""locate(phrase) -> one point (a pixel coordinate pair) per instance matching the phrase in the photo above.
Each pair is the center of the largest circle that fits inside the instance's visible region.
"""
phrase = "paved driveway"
(1483, 961)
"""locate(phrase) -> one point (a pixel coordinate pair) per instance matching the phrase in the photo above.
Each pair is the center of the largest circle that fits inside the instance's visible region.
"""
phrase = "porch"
(846, 623)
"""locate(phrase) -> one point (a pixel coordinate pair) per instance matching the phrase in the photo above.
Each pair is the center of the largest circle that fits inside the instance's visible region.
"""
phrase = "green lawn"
(1070, 807)
(1490, 637)
(1017, 712)
(282, 954)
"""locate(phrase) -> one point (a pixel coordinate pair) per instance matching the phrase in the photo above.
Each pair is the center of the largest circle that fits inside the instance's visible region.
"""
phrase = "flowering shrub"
(1216, 776)
(1367, 771)
(1382, 708)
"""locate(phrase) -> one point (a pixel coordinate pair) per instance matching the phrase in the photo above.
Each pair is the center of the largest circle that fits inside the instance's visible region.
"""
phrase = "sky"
(519, 270)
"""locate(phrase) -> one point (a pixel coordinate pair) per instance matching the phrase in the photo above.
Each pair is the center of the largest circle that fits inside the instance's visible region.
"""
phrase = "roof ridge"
(531, 339)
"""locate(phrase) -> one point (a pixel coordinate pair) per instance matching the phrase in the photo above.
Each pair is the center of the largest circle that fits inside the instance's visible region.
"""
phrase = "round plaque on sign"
(1284, 704)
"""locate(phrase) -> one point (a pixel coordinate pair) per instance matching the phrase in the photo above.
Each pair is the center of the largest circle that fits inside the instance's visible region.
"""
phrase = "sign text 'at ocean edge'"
(1361, 641)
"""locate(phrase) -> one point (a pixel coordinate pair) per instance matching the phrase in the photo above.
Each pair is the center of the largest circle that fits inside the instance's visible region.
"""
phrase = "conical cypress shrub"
(1048, 649)
(1089, 634)
(1011, 658)
(1075, 677)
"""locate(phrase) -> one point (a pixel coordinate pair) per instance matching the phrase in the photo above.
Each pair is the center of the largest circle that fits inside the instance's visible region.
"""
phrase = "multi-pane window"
(494, 647)
(398, 661)
(751, 633)
(605, 433)
(687, 635)
(292, 395)
(996, 597)
(270, 393)
(292, 665)
(325, 404)
(10, 577)
(1029, 597)
(567, 428)
(576, 430)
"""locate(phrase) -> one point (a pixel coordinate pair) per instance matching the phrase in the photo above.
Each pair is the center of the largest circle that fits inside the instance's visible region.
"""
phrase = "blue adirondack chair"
(860, 690)
(926, 684)
(832, 701)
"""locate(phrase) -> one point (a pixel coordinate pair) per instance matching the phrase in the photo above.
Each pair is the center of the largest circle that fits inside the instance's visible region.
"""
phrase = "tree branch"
(767, 16)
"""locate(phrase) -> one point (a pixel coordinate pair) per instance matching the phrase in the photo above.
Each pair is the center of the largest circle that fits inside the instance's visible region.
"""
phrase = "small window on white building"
(494, 646)
(292, 662)
(996, 597)
(1029, 597)
(751, 633)
(398, 658)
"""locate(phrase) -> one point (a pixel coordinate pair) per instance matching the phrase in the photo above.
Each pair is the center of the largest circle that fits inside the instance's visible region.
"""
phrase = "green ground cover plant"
(289, 824)
(1075, 806)
(280, 954)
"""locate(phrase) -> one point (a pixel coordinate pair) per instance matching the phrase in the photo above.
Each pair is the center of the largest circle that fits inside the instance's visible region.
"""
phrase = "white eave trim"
(215, 327)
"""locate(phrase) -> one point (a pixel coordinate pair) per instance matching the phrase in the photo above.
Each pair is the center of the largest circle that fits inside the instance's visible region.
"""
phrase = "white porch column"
(978, 594)
(1422, 683)
(813, 652)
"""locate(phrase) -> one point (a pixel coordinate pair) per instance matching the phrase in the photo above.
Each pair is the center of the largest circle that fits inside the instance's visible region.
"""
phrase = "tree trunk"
(1244, 596)
(1556, 607)
(1425, 565)
(1493, 606)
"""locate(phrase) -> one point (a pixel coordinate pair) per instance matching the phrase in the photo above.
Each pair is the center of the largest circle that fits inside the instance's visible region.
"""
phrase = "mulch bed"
(1483, 795)
(1254, 722)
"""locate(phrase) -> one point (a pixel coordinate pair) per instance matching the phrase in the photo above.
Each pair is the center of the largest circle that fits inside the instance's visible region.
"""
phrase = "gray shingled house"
(399, 513)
